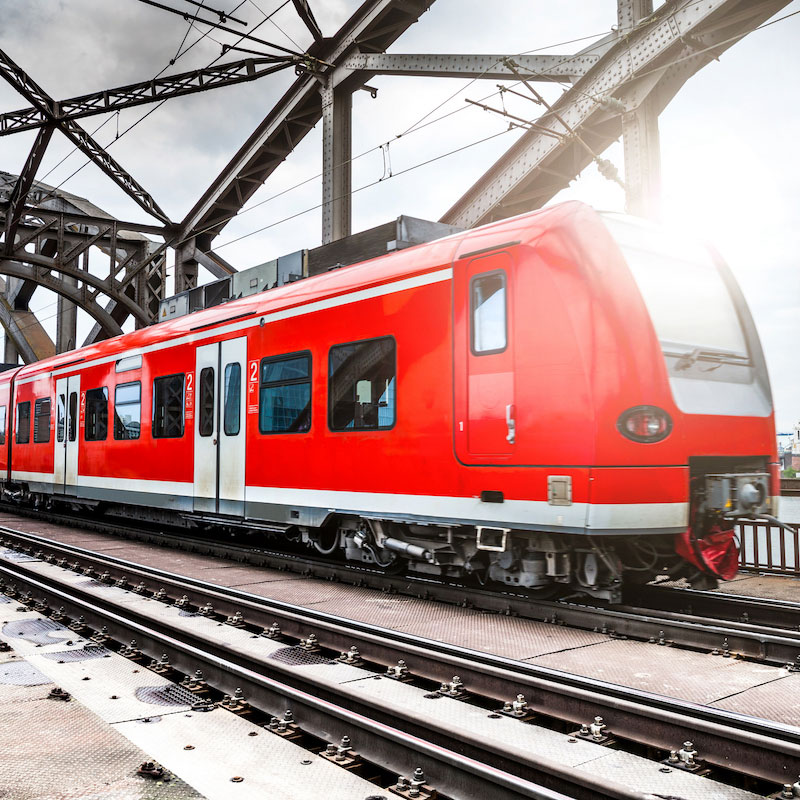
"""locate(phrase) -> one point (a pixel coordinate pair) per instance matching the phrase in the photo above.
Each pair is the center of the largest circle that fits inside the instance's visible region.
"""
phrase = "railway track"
(755, 628)
(82, 581)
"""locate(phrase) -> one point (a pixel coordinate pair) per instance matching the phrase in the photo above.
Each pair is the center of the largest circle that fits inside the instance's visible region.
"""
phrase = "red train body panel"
(458, 404)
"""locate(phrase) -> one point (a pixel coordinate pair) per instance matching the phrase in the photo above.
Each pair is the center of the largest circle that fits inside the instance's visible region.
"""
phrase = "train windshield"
(690, 305)
(696, 318)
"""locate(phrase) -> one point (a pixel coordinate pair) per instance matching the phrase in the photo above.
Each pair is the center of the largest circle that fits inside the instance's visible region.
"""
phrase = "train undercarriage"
(544, 564)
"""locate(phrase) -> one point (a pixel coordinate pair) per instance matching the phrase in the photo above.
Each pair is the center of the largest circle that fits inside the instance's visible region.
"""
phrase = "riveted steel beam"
(337, 147)
(40, 271)
(19, 194)
(375, 26)
(489, 67)
(653, 59)
(151, 91)
(45, 104)
(25, 336)
(304, 12)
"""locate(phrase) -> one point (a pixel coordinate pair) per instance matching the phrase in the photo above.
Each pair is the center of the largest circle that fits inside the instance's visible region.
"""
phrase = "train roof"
(373, 272)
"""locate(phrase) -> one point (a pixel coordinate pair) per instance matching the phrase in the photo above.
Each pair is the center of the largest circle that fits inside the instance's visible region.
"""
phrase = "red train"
(556, 400)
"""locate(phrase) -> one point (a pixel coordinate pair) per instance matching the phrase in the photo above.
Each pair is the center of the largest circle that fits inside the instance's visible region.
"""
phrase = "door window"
(233, 398)
(72, 432)
(206, 405)
(61, 417)
(488, 305)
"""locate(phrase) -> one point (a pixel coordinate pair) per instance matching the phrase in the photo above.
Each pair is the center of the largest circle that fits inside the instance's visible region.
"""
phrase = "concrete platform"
(121, 715)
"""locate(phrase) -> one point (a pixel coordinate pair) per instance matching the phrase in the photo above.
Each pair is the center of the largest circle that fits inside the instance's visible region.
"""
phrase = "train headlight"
(644, 424)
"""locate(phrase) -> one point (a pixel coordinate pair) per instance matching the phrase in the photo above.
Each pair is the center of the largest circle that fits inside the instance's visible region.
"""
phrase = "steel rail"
(385, 736)
(701, 630)
(765, 611)
(767, 750)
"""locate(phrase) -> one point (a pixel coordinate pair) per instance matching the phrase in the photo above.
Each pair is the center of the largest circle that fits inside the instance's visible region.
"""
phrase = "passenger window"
(41, 420)
(233, 398)
(285, 394)
(73, 416)
(488, 303)
(61, 417)
(2, 424)
(168, 407)
(127, 410)
(23, 429)
(361, 385)
(205, 425)
(96, 422)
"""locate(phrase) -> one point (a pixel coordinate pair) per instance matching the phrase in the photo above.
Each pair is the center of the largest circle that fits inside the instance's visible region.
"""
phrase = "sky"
(731, 173)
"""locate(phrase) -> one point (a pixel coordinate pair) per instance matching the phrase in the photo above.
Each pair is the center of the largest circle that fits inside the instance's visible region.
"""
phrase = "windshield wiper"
(718, 357)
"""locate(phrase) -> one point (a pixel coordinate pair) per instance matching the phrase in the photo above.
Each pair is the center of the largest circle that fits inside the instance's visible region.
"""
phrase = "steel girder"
(135, 94)
(54, 238)
(25, 335)
(375, 26)
(19, 193)
(39, 269)
(45, 105)
(649, 63)
(488, 67)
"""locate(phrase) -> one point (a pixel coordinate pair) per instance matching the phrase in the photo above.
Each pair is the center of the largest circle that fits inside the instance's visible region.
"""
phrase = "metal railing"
(769, 548)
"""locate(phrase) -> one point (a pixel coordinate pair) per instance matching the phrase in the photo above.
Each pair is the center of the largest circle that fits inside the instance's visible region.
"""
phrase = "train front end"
(708, 408)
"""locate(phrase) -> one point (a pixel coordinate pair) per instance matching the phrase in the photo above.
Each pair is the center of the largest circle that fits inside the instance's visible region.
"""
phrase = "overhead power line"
(219, 27)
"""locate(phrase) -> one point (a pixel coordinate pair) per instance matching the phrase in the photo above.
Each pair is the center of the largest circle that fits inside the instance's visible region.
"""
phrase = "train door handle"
(214, 440)
(511, 424)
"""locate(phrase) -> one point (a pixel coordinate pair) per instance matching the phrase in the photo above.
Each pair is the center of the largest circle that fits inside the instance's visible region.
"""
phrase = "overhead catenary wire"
(611, 174)
(367, 186)
(224, 16)
(219, 27)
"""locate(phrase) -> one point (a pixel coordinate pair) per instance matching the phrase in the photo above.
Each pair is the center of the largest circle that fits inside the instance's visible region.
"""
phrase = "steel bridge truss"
(616, 88)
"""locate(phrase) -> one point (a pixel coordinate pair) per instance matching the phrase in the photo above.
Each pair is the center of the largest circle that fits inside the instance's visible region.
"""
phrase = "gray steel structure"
(615, 88)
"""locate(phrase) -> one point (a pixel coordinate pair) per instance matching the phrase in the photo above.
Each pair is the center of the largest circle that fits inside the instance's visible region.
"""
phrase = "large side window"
(23, 428)
(2, 424)
(41, 420)
(205, 424)
(168, 407)
(285, 397)
(127, 410)
(96, 422)
(233, 398)
(361, 385)
(488, 304)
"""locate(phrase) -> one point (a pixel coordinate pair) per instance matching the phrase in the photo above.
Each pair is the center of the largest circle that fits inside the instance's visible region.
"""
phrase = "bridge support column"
(67, 320)
(185, 267)
(640, 132)
(642, 161)
(337, 152)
